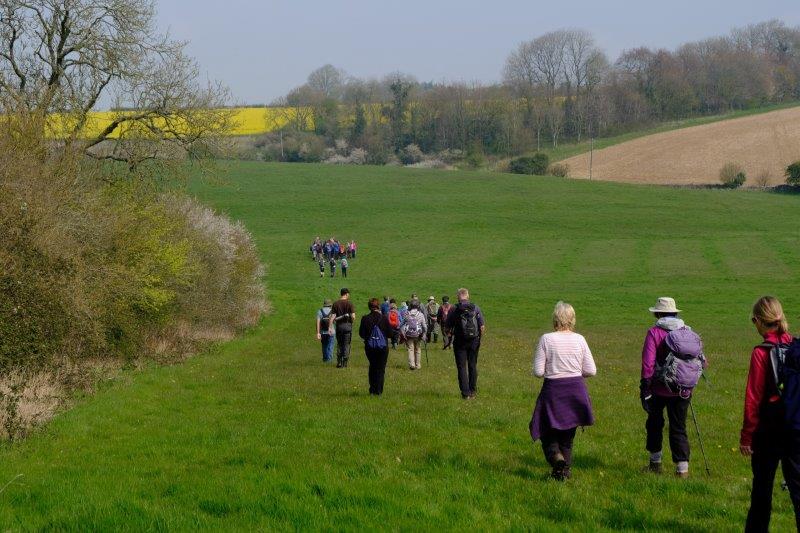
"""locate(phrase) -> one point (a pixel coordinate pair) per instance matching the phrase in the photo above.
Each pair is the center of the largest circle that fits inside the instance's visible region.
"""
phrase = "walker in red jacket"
(765, 437)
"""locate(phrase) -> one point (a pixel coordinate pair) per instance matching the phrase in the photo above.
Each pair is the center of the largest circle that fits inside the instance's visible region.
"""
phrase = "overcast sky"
(261, 49)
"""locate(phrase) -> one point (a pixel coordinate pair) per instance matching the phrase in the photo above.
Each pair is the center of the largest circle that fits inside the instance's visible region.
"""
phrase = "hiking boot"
(654, 467)
(559, 467)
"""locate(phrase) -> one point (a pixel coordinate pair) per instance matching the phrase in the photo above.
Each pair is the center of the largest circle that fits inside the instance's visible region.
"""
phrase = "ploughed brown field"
(765, 142)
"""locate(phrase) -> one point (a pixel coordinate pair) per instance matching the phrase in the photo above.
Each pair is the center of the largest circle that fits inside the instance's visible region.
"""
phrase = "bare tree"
(328, 81)
(584, 67)
(60, 58)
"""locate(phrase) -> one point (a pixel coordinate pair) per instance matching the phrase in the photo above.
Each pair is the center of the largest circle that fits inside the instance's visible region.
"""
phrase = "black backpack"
(468, 322)
(785, 363)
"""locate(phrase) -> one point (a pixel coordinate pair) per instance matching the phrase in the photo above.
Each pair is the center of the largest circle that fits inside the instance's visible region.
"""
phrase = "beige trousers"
(414, 352)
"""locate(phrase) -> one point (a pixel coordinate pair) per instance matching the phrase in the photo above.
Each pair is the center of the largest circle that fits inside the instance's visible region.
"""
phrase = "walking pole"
(699, 438)
(427, 361)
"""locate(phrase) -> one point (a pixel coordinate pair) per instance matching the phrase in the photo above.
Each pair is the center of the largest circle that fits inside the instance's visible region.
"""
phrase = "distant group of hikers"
(333, 253)
(673, 361)
(462, 327)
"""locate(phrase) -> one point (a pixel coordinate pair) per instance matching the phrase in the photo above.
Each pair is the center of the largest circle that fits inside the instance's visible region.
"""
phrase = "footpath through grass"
(259, 434)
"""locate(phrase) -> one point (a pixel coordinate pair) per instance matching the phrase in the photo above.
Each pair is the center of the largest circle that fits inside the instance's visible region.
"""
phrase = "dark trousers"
(466, 354)
(344, 272)
(769, 449)
(377, 368)
(556, 441)
(343, 338)
(676, 412)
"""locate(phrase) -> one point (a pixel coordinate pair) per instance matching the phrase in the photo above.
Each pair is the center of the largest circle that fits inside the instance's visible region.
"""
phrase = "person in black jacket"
(376, 332)
(465, 322)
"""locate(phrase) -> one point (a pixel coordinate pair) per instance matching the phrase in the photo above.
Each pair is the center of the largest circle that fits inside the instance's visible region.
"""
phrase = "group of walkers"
(672, 364)
(461, 326)
(333, 253)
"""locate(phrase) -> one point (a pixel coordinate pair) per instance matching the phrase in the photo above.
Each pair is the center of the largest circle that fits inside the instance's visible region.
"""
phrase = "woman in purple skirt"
(563, 359)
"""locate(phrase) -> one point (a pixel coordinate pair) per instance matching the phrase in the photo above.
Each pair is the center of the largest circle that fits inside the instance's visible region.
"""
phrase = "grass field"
(259, 434)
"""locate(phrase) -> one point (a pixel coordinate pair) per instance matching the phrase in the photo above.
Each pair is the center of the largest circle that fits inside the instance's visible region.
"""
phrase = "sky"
(262, 49)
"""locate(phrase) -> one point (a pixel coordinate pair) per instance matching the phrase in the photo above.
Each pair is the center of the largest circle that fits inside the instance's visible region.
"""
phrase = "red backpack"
(394, 318)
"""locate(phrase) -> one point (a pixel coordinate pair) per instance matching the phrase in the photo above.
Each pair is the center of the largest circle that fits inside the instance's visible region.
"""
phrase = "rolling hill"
(765, 142)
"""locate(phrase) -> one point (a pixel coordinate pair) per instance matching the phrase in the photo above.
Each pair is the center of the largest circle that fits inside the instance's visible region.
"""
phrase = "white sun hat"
(665, 304)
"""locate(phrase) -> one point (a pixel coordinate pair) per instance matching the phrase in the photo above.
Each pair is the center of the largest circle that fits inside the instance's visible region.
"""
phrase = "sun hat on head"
(665, 304)
(431, 298)
(327, 303)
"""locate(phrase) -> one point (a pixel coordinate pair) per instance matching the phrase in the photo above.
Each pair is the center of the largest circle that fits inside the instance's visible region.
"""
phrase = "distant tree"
(328, 81)
(400, 88)
(359, 124)
(66, 56)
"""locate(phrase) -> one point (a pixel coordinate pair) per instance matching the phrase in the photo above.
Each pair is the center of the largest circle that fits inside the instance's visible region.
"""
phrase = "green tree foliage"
(536, 164)
(793, 173)
(359, 124)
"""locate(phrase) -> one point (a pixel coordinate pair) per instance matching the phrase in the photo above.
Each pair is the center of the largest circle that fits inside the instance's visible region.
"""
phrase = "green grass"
(567, 150)
(259, 434)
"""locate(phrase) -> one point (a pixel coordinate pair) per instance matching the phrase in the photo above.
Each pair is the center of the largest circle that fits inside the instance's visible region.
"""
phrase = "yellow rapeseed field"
(246, 120)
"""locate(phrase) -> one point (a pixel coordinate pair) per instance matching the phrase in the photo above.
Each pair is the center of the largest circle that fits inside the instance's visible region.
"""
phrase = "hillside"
(763, 142)
(258, 434)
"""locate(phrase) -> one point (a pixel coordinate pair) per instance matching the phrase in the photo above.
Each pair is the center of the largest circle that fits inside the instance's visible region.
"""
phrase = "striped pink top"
(563, 354)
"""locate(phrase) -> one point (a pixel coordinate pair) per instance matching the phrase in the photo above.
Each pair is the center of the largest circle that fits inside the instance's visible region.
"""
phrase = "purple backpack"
(683, 366)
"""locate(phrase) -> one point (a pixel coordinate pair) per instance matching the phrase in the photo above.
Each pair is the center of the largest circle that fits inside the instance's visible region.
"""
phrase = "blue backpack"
(785, 362)
(376, 340)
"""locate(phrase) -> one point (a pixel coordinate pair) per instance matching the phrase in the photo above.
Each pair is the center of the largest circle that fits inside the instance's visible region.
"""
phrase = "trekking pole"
(699, 438)
(427, 361)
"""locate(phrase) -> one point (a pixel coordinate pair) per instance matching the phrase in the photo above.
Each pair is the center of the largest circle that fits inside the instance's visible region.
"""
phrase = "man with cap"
(656, 396)
(432, 310)
(324, 333)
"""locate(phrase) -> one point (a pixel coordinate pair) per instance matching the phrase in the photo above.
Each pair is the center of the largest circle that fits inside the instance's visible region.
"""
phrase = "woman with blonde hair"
(563, 359)
(765, 437)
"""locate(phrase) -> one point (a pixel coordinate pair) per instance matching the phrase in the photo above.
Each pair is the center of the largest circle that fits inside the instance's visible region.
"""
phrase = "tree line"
(558, 87)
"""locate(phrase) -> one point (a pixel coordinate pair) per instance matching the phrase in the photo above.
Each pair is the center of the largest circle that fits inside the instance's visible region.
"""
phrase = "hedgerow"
(107, 266)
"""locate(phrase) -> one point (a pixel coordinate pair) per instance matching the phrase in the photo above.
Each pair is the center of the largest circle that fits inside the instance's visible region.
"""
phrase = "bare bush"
(763, 179)
(560, 170)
